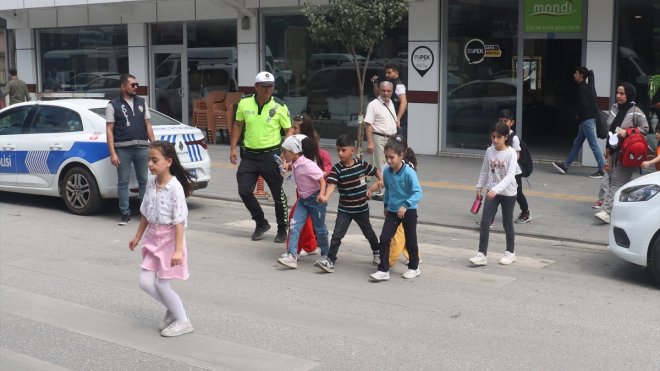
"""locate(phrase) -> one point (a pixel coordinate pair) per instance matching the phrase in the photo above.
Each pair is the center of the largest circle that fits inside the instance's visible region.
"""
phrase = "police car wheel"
(80, 191)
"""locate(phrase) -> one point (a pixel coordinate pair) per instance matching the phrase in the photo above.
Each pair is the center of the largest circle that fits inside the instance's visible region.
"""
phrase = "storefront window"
(482, 41)
(320, 80)
(83, 59)
(638, 62)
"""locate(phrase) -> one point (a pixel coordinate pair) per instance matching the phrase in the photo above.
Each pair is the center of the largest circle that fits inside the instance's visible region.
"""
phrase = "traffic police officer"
(263, 117)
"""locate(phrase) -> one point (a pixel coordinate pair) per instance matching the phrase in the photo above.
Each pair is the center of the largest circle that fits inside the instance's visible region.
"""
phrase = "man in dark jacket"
(128, 128)
(584, 114)
(15, 88)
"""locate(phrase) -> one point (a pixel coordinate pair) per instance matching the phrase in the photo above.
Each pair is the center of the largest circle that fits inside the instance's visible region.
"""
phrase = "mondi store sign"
(553, 15)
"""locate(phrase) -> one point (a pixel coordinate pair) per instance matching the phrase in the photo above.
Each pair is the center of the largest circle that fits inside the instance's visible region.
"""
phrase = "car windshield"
(157, 118)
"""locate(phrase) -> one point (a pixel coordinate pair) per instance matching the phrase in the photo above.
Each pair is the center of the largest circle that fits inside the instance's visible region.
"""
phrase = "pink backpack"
(634, 148)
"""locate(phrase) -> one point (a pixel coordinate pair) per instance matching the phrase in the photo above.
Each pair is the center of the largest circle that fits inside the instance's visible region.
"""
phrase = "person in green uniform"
(260, 117)
(15, 88)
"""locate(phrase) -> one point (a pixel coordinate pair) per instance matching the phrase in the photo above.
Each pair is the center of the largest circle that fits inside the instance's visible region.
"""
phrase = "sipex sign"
(475, 51)
(553, 15)
(422, 60)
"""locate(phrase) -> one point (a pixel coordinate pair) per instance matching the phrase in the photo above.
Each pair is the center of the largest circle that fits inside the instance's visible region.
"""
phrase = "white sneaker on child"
(380, 276)
(177, 328)
(166, 321)
(479, 259)
(313, 252)
(508, 258)
(288, 260)
(411, 273)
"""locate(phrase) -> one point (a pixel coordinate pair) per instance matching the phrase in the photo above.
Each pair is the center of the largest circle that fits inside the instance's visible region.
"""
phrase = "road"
(69, 300)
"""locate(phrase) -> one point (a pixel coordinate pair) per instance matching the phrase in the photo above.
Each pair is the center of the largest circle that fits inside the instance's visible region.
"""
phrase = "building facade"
(462, 60)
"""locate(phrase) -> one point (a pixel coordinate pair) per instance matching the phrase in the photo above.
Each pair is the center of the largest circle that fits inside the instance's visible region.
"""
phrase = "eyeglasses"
(134, 85)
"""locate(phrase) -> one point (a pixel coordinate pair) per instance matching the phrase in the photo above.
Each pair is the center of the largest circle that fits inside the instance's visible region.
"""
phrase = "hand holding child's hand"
(322, 199)
(646, 164)
(491, 195)
(177, 257)
(401, 212)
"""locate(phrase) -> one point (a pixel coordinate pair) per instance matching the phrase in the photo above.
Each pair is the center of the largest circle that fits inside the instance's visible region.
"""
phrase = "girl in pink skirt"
(163, 220)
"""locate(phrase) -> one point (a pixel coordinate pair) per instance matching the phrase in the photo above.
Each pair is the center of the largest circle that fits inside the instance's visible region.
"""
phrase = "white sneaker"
(177, 328)
(380, 276)
(166, 321)
(288, 260)
(313, 252)
(508, 258)
(603, 216)
(479, 259)
(411, 273)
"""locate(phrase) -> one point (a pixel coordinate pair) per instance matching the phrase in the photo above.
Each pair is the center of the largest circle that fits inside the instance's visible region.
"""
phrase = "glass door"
(548, 95)
(170, 95)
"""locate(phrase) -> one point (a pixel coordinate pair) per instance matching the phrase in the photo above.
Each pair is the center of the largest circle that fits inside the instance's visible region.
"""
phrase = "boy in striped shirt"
(349, 176)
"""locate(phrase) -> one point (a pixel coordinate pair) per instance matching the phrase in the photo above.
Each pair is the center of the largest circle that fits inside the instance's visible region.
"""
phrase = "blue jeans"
(309, 206)
(587, 130)
(138, 157)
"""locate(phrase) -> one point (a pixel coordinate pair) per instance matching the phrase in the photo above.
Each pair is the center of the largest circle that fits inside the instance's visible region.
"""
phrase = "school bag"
(599, 116)
(634, 148)
(525, 160)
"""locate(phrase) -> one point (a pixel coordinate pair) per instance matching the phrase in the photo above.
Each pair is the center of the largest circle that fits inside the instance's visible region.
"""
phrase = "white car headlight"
(639, 193)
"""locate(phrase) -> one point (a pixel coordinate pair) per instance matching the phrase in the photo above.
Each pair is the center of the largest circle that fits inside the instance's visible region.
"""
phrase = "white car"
(59, 148)
(635, 224)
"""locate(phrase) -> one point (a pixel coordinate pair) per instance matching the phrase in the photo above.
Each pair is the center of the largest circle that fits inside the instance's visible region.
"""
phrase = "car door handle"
(56, 146)
(8, 147)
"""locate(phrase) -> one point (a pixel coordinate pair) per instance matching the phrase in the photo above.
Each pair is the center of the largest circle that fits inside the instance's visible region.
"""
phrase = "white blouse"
(165, 206)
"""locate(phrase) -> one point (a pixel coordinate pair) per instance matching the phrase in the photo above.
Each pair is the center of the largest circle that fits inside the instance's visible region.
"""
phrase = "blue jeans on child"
(129, 157)
(309, 206)
(587, 130)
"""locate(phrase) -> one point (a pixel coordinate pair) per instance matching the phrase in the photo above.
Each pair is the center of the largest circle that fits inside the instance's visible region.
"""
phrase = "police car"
(59, 148)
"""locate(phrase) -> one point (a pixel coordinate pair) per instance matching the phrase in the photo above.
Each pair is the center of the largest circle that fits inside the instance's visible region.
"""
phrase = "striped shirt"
(352, 185)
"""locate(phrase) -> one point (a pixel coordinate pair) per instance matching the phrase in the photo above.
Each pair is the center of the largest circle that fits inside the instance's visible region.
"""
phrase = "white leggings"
(161, 290)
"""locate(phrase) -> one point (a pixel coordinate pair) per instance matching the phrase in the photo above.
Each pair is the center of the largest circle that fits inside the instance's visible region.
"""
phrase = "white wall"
(423, 118)
(600, 36)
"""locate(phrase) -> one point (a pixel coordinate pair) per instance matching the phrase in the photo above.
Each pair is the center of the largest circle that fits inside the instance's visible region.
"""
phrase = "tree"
(358, 25)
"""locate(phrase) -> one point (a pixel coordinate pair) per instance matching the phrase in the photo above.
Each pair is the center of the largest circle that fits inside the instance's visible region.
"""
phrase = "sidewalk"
(560, 204)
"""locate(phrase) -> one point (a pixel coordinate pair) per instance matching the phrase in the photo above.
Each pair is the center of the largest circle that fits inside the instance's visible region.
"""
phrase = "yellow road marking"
(457, 186)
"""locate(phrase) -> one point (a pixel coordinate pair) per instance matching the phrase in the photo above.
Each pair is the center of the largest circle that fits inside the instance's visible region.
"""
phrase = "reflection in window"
(11, 121)
(50, 119)
(320, 80)
(72, 58)
(479, 88)
(638, 63)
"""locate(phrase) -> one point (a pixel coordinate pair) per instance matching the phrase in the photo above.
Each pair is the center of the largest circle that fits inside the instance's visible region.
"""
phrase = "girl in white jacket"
(498, 175)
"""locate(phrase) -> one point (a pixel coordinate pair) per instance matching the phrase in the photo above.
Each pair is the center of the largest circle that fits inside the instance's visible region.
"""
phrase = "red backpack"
(634, 148)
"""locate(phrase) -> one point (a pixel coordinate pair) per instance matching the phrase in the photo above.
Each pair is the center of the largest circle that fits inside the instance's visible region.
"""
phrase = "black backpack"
(525, 160)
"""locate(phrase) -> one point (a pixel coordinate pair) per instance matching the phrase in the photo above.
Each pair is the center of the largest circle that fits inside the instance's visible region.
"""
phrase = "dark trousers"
(520, 197)
(490, 209)
(342, 223)
(251, 167)
(390, 225)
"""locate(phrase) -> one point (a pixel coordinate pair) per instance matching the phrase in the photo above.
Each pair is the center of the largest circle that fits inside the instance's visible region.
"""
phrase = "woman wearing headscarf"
(624, 115)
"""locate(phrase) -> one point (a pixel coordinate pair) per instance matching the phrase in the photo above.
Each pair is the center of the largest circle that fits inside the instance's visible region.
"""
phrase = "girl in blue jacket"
(402, 194)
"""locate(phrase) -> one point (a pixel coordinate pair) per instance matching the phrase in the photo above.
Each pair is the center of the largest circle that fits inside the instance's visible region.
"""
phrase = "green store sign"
(553, 15)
